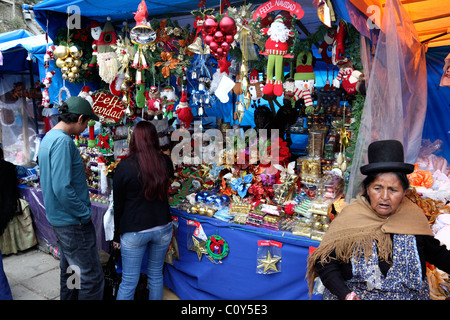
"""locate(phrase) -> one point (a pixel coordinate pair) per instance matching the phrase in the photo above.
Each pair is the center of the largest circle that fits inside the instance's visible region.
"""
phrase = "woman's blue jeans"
(133, 246)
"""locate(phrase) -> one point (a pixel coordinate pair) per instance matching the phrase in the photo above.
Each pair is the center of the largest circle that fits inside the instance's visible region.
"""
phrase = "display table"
(236, 278)
(43, 229)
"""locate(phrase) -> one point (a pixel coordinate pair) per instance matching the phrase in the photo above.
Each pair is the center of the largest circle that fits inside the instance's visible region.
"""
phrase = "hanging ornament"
(198, 247)
(68, 60)
(217, 247)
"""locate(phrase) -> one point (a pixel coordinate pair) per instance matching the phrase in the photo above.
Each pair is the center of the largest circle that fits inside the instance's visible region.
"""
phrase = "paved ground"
(34, 275)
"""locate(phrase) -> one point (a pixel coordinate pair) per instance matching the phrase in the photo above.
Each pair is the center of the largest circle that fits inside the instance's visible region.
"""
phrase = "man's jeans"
(133, 247)
(82, 275)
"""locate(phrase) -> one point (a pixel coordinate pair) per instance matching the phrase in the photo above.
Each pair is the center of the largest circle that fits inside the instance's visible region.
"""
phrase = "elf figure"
(276, 48)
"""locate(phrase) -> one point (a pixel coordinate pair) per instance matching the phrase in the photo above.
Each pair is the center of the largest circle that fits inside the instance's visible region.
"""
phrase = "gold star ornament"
(199, 247)
(269, 263)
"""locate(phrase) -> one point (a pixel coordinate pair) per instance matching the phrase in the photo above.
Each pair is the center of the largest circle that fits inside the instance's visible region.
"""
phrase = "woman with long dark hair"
(142, 218)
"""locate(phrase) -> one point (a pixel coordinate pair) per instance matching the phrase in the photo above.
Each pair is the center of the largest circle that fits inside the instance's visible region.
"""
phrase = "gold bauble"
(64, 69)
(75, 52)
(74, 69)
(71, 75)
(60, 63)
(124, 87)
(61, 52)
(64, 76)
(77, 62)
(69, 62)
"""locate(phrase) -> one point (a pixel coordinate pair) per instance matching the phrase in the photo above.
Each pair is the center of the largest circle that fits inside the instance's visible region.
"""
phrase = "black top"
(334, 273)
(132, 211)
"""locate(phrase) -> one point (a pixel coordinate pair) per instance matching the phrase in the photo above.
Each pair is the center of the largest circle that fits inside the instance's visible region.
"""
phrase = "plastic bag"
(268, 257)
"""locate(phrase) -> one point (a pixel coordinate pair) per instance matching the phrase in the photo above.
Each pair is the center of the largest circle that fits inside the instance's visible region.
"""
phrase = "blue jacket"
(63, 180)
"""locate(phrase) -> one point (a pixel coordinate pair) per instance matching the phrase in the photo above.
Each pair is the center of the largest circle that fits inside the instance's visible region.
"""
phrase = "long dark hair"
(153, 173)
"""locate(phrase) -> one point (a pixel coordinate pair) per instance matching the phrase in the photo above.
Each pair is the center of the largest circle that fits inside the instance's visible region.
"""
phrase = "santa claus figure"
(86, 94)
(96, 30)
(154, 103)
(168, 97)
(352, 80)
(184, 112)
(108, 64)
(276, 48)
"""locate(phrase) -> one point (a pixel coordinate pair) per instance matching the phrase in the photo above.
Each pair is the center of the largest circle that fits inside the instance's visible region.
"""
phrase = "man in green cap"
(67, 203)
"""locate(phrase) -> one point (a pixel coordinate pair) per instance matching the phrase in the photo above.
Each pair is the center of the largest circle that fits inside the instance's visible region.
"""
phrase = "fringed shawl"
(357, 226)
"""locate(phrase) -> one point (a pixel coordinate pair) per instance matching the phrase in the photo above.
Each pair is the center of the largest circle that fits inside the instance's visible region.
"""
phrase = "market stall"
(20, 94)
(265, 109)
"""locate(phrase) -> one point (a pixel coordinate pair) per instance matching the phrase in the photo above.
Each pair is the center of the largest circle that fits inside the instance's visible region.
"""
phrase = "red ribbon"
(103, 142)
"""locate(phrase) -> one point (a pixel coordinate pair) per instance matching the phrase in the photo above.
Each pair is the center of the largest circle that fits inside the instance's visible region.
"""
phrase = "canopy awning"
(431, 18)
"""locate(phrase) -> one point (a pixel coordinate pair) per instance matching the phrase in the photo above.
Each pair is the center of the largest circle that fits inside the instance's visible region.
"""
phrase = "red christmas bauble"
(219, 51)
(218, 36)
(229, 38)
(210, 25)
(225, 46)
(213, 46)
(227, 25)
(208, 39)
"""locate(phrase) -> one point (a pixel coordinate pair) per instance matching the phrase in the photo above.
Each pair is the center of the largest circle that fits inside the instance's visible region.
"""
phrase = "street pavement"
(34, 275)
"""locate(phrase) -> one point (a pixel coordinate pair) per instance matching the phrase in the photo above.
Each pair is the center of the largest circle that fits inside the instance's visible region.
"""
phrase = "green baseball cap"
(78, 105)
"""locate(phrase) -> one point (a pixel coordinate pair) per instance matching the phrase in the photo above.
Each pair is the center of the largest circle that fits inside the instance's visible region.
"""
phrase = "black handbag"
(113, 279)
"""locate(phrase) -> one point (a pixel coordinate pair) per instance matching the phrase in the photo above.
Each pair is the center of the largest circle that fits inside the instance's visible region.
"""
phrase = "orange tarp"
(431, 18)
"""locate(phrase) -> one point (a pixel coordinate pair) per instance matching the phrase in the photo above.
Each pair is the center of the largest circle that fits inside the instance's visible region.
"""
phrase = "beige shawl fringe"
(358, 226)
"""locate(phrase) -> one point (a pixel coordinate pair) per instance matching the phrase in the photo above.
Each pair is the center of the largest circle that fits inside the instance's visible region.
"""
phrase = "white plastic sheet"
(396, 97)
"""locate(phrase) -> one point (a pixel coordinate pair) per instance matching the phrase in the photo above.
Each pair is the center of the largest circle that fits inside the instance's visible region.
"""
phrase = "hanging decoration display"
(109, 108)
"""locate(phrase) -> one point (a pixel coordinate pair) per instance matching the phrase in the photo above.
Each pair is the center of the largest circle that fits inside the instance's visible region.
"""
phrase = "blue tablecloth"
(236, 278)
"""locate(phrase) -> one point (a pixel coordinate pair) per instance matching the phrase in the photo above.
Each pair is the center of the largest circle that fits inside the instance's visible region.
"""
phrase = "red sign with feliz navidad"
(286, 5)
(108, 106)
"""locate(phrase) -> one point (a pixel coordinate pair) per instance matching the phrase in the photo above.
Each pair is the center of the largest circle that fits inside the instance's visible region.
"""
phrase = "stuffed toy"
(352, 80)
(108, 63)
(255, 86)
(327, 45)
(304, 80)
(48, 56)
(184, 112)
(276, 48)
(47, 81)
(96, 30)
(154, 103)
(168, 97)
(86, 94)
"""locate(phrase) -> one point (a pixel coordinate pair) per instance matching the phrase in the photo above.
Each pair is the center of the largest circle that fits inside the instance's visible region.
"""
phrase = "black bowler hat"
(386, 156)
